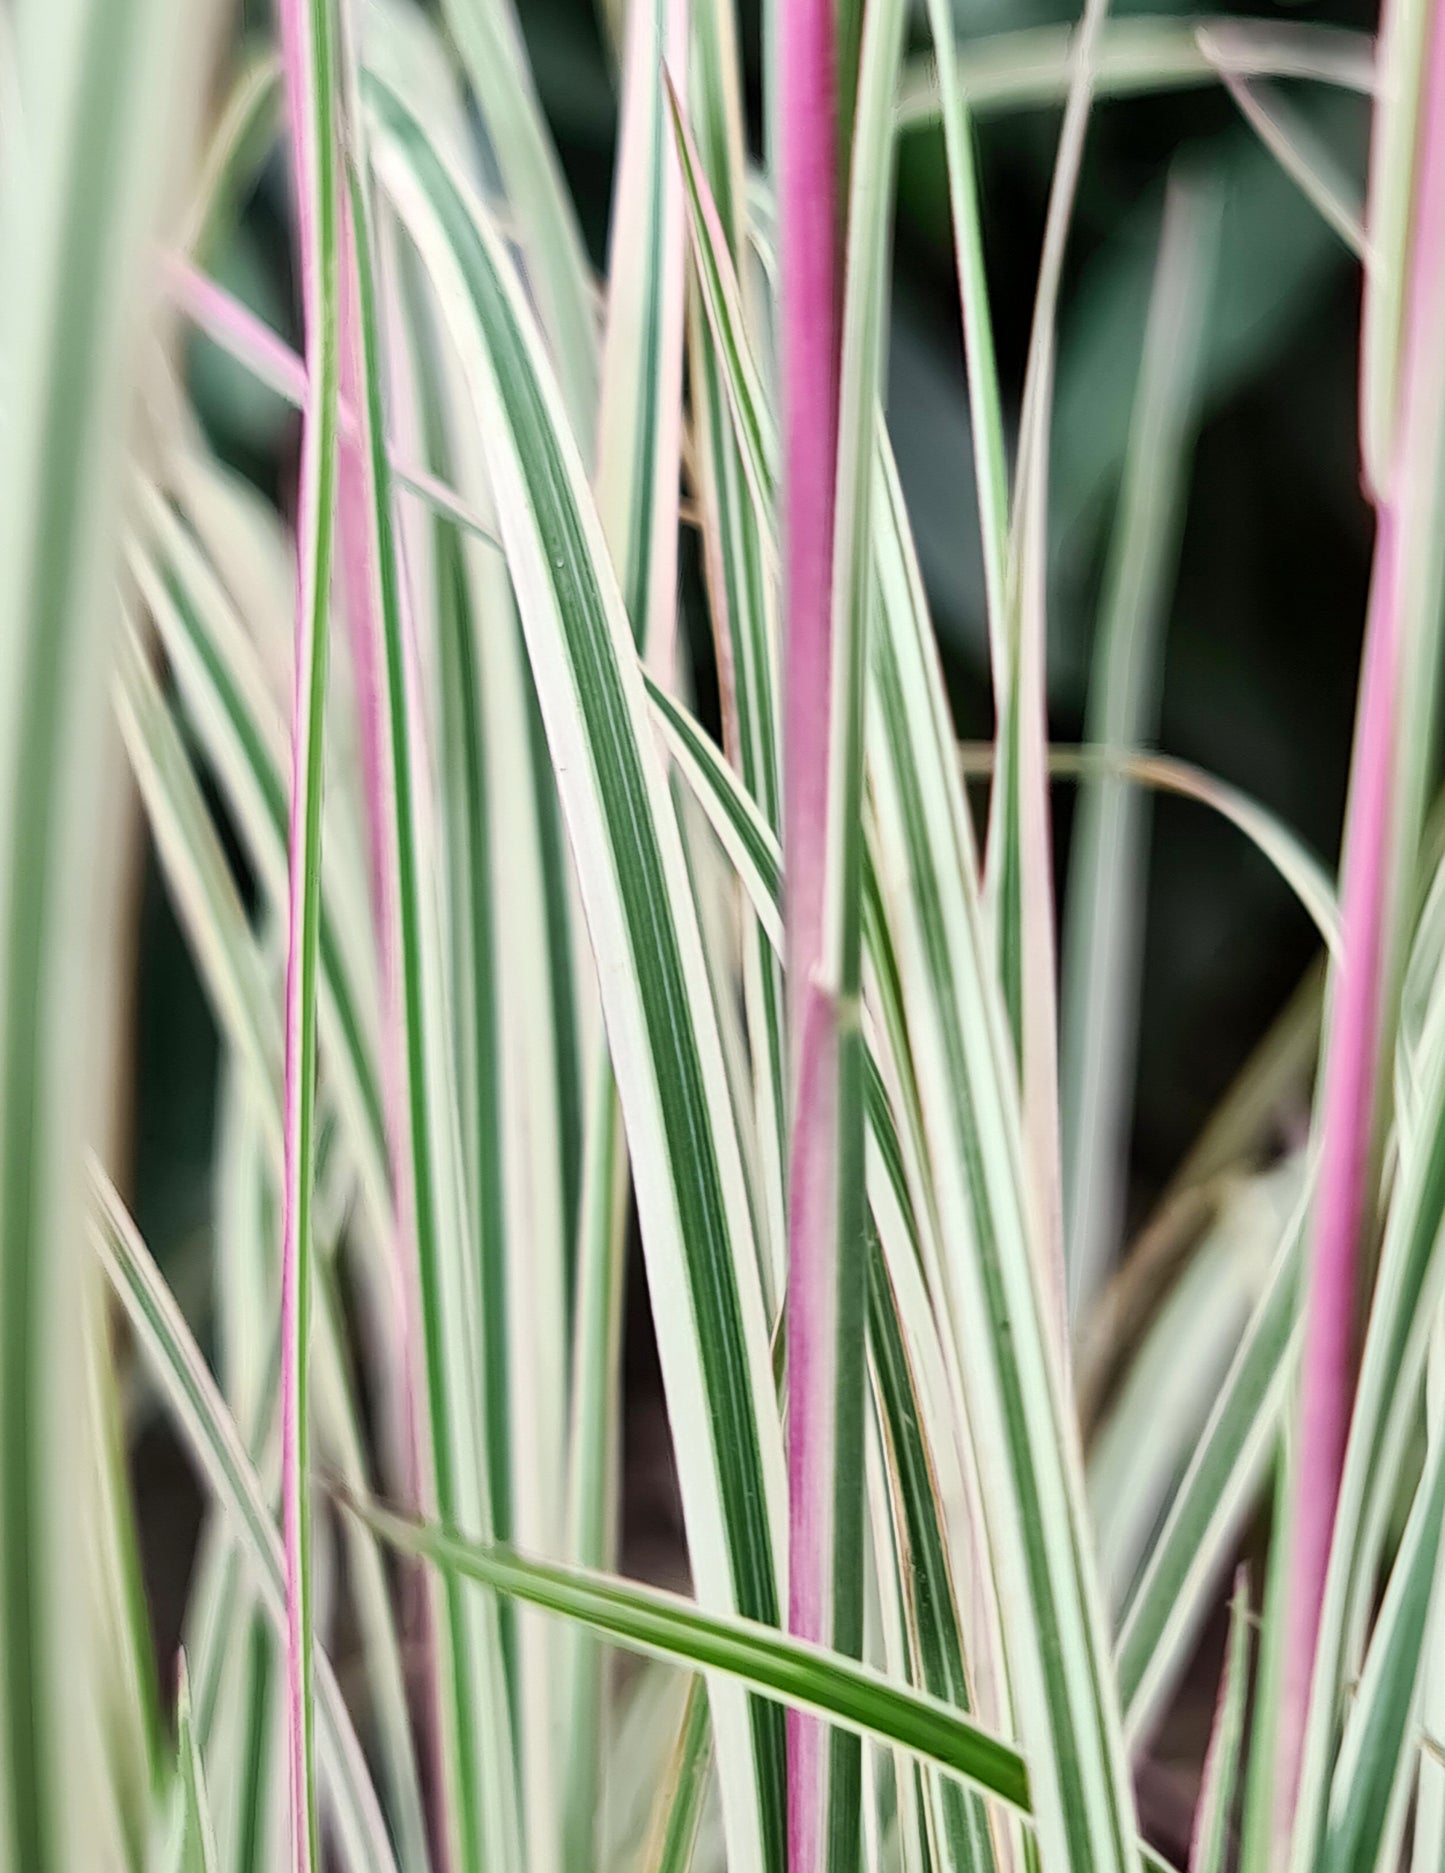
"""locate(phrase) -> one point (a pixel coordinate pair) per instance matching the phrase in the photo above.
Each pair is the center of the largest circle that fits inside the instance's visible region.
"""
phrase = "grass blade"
(489, 40)
(1162, 1615)
(1209, 1846)
(201, 1855)
(309, 51)
(104, 89)
(1104, 910)
(806, 1676)
(1001, 1327)
(1394, 730)
(696, 1230)
(1375, 1755)
(211, 1435)
(1031, 67)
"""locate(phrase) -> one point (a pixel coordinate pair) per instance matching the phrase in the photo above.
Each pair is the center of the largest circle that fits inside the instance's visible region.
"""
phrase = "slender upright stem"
(1367, 965)
(808, 211)
(810, 353)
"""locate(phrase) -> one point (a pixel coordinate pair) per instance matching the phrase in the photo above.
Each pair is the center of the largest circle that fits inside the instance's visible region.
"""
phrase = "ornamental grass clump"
(559, 794)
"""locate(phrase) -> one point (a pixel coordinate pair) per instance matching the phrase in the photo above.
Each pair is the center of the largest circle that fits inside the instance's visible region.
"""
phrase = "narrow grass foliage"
(554, 781)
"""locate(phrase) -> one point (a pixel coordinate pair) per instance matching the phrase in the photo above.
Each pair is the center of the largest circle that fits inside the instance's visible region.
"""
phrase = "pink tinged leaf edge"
(1352, 1066)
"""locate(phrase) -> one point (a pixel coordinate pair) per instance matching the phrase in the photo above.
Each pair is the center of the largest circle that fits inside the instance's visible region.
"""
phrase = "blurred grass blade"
(1375, 1753)
(243, 137)
(1304, 158)
(985, 407)
(308, 35)
(1394, 151)
(1165, 1396)
(677, 1814)
(1162, 1618)
(1104, 908)
(1429, 1844)
(223, 686)
(1209, 1843)
(215, 1444)
(1019, 876)
(201, 1855)
(104, 91)
(489, 39)
(232, 970)
(1032, 67)
(696, 1230)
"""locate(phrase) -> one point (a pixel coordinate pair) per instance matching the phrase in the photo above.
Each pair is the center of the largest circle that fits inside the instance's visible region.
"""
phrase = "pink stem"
(1351, 1069)
(810, 356)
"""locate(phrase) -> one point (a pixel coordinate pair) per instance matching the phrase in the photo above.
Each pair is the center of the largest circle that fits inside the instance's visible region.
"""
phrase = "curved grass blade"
(1022, 70)
(807, 1677)
(1276, 843)
(211, 1435)
(242, 139)
(1304, 158)
(697, 1234)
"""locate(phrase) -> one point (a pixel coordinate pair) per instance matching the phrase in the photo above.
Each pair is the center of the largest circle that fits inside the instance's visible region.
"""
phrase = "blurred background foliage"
(1263, 631)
